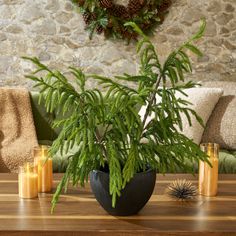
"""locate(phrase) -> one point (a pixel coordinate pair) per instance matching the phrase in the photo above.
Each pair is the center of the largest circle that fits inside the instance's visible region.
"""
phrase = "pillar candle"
(44, 167)
(28, 181)
(208, 176)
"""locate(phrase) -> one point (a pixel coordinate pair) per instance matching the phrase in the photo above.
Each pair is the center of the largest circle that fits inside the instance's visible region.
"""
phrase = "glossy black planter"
(133, 197)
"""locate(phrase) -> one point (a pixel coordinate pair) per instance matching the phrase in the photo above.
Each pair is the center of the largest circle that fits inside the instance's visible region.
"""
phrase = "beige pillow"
(203, 102)
(221, 126)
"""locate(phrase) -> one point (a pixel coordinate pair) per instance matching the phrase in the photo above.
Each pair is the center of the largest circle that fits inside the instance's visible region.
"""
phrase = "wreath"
(105, 16)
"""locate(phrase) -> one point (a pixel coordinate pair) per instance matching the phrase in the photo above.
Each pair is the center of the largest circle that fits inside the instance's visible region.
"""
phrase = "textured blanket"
(17, 130)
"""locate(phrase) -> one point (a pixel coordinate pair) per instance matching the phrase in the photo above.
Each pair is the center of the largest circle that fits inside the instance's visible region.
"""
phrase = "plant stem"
(150, 103)
(98, 139)
(105, 132)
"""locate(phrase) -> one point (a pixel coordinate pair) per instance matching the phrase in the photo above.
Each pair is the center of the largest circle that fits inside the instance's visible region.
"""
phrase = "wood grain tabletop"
(78, 213)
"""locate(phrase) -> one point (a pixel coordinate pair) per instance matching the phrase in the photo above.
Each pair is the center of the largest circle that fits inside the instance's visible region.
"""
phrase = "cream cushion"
(221, 126)
(203, 101)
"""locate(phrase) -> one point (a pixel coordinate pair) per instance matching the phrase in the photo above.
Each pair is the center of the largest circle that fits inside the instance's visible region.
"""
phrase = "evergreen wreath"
(105, 16)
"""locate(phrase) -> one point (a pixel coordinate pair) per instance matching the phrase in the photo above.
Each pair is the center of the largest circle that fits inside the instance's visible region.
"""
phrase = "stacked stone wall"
(53, 31)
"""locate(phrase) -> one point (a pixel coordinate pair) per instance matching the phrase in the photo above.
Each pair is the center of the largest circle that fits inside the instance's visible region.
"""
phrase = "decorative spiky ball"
(182, 189)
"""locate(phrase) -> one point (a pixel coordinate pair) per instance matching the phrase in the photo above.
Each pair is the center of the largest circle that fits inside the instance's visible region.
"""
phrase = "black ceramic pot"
(133, 197)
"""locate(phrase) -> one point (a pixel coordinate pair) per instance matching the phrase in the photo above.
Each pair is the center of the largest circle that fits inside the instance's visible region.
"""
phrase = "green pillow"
(42, 119)
(227, 162)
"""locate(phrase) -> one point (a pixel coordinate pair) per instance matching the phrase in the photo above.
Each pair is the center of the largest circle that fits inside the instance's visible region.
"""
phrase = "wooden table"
(78, 213)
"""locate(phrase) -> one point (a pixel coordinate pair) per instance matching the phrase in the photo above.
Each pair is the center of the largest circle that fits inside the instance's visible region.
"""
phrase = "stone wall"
(54, 32)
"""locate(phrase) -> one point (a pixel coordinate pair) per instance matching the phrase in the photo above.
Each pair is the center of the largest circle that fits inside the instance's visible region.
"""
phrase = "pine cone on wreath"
(99, 29)
(145, 26)
(164, 6)
(87, 17)
(128, 35)
(161, 17)
(120, 11)
(81, 2)
(106, 3)
(134, 6)
(107, 32)
(110, 23)
(93, 16)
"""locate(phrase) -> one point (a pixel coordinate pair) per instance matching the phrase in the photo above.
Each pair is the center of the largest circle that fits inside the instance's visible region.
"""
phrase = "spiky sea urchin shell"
(182, 189)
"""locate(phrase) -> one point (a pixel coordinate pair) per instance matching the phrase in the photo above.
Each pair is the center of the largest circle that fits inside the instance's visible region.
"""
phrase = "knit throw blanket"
(17, 130)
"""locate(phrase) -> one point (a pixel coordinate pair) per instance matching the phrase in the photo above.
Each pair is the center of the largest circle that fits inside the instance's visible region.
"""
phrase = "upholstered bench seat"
(224, 114)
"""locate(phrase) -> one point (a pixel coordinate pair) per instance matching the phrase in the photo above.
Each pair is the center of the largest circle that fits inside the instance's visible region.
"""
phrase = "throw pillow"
(203, 101)
(221, 126)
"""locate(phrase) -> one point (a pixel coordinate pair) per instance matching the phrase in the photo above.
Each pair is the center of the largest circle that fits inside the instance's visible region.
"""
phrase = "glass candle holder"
(43, 164)
(208, 176)
(28, 181)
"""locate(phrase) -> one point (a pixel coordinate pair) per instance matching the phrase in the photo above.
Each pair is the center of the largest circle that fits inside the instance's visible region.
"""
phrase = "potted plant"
(118, 148)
